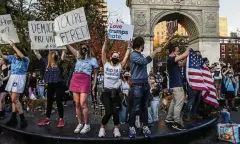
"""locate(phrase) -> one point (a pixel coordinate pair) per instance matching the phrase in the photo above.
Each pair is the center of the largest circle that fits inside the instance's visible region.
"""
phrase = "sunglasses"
(115, 52)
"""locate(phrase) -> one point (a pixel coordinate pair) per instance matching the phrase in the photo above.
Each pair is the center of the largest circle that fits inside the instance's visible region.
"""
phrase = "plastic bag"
(228, 132)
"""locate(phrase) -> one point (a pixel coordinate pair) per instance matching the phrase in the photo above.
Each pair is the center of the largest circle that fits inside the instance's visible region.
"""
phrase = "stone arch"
(189, 22)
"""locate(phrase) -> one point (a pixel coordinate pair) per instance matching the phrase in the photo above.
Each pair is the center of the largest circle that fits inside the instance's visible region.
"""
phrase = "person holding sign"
(53, 77)
(16, 83)
(80, 84)
(110, 96)
(5, 68)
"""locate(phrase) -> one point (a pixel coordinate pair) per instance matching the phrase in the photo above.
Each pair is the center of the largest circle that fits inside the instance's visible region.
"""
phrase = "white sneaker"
(102, 132)
(85, 129)
(116, 133)
(78, 128)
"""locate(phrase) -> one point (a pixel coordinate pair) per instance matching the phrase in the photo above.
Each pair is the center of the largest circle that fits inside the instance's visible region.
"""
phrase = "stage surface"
(159, 130)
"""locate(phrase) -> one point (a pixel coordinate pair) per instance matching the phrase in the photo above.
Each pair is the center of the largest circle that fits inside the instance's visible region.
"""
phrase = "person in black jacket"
(154, 100)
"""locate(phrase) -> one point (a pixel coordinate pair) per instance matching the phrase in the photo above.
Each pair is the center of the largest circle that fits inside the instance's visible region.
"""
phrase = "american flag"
(172, 27)
(200, 78)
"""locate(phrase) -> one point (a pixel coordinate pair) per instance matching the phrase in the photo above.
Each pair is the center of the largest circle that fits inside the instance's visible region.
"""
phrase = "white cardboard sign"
(42, 35)
(7, 30)
(120, 31)
(71, 27)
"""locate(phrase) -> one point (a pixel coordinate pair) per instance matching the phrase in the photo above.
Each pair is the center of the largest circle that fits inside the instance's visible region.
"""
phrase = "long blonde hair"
(51, 60)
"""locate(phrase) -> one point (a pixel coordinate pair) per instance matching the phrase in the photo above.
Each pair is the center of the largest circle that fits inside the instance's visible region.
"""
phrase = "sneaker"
(169, 121)
(85, 129)
(196, 117)
(61, 123)
(78, 128)
(132, 132)
(234, 109)
(43, 122)
(186, 118)
(178, 126)
(23, 124)
(146, 131)
(116, 133)
(102, 133)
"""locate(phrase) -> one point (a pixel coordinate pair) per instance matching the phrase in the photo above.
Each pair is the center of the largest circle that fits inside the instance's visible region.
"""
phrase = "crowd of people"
(128, 93)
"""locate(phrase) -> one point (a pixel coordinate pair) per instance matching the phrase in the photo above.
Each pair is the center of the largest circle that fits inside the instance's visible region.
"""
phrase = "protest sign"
(42, 35)
(7, 30)
(120, 31)
(71, 27)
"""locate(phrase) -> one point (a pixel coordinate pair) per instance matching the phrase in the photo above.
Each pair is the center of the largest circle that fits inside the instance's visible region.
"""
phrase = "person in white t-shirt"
(110, 96)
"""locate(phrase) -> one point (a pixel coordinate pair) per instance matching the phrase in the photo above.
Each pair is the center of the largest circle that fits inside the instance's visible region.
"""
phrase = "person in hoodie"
(140, 88)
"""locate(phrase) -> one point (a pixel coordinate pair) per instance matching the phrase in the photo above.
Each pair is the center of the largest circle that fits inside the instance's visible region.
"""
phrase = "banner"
(71, 27)
(120, 31)
(41, 35)
(7, 30)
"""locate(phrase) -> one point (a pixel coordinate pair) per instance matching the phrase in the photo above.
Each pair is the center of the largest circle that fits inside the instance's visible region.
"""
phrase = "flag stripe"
(172, 27)
(200, 78)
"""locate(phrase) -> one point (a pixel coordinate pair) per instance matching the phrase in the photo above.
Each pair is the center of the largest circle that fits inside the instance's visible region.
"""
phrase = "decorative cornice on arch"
(187, 20)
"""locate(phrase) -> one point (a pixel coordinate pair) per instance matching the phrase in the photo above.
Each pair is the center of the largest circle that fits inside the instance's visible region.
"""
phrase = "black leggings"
(52, 89)
(112, 105)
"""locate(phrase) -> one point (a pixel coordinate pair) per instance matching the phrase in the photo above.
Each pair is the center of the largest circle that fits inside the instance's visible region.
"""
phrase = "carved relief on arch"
(140, 21)
(210, 23)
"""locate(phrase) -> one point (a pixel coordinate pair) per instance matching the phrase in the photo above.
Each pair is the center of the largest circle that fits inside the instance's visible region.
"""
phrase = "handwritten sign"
(120, 31)
(7, 30)
(42, 35)
(71, 27)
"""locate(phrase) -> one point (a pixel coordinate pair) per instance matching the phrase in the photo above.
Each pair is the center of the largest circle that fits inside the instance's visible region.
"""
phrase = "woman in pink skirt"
(81, 84)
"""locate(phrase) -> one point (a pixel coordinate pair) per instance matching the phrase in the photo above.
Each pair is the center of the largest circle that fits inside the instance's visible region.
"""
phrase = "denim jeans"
(153, 110)
(225, 117)
(41, 91)
(123, 114)
(139, 100)
(194, 98)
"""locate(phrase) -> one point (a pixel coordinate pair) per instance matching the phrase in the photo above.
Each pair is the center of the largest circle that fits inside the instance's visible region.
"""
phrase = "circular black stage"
(159, 130)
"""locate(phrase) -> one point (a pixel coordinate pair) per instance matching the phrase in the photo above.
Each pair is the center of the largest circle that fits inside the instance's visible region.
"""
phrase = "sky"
(228, 8)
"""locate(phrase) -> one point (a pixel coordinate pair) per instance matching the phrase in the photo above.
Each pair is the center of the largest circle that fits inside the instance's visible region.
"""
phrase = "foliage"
(23, 11)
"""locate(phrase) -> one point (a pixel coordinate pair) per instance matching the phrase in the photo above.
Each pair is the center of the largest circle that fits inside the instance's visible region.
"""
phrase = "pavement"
(205, 136)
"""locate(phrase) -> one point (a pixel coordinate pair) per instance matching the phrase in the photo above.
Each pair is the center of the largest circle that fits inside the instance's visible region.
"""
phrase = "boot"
(2, 115)
(23, 122)
(13, 120)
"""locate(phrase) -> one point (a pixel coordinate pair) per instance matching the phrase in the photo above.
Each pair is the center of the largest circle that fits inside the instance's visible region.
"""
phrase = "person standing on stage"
(140, 88)
(16, 83)
(110, 96)
(53, 77)
(174, 64)
(5, 76)
(80, 84)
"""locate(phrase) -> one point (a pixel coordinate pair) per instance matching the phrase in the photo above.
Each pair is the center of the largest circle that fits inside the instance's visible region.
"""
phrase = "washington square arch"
(200, 18)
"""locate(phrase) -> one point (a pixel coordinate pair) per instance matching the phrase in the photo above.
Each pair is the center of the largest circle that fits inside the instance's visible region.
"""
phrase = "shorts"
(230, 95)
(16, 83)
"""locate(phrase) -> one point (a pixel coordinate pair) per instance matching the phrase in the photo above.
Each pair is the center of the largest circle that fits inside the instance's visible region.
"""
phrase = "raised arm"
(19, 53)
(182, 56)
(94, 80)
(72, 50)
(125, 59)
(63, 54)
(140, 60)
(37, 54)
(104, 49)
(3, 56)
